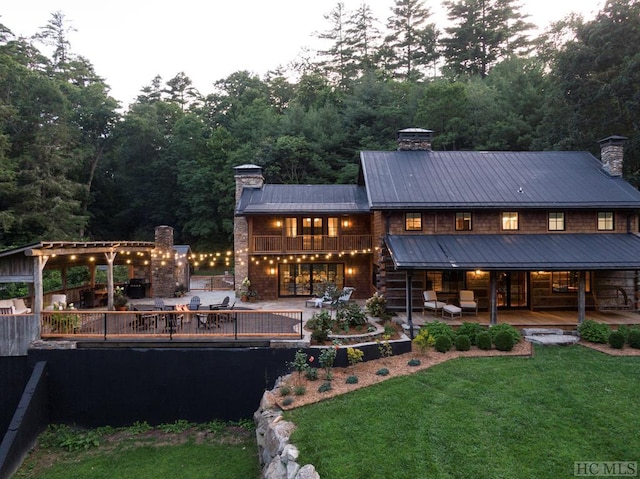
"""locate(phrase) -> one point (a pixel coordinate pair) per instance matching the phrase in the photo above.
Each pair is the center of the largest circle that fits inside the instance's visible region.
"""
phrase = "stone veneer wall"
(249, 176)
(612, 154)
(163, 263)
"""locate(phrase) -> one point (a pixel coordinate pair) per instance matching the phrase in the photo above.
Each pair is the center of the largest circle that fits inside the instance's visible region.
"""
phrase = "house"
(523, 230)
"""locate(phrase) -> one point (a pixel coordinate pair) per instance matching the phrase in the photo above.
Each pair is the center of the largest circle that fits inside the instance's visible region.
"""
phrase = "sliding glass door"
(305, 279)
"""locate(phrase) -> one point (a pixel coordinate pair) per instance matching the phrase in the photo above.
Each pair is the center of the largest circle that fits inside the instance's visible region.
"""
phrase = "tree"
(362, 38)
(411, 44)
(56, 34)
(180, 90)
(338, 61)
(484, 32)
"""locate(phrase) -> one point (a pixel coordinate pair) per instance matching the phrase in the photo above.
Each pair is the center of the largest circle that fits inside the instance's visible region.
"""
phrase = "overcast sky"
(130, 42)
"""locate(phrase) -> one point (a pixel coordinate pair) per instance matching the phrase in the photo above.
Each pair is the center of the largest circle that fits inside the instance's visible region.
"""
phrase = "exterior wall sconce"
(272, 271)
(345, 223)
(278, 224)
(350, 271)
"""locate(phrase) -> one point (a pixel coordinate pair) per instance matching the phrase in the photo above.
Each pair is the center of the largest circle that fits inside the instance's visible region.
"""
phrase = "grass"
(214, 450)
(482, 418)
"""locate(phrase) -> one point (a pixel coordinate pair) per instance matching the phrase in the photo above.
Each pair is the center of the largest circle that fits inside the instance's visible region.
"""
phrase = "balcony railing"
(227, 324)
(310, 244)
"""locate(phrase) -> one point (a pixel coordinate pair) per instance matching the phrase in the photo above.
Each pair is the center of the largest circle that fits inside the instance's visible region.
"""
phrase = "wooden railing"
(310, 244)
(228, 324)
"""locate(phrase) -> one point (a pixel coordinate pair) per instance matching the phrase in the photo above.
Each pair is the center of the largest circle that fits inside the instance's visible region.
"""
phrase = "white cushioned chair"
(468, 301)
(431, 302)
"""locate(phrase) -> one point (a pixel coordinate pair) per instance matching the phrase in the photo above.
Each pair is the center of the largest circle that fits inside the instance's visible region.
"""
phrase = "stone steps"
(549, 336)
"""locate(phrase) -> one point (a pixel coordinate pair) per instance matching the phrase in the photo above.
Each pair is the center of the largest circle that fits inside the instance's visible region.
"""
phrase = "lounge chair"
(468, 301)
(431, 302)
(194, 304)
(345, 297)
(207, 319)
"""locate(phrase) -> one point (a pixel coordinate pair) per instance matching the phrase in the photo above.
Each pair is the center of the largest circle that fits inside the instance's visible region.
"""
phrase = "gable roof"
(496, 179)
(303, 199)
(546, 252)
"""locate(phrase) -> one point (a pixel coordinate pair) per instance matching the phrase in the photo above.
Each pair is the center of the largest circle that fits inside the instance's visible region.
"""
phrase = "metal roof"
(545, 252)
(303, 199)
(496, 179)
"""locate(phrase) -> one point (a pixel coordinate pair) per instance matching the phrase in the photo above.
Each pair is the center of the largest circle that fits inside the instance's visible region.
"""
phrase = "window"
(291, 227)
(605, 220)
(568, 281)
(463, 221)
(445, 281)
(332, 227)
(510, 220)
(413, 221)
(556, 221)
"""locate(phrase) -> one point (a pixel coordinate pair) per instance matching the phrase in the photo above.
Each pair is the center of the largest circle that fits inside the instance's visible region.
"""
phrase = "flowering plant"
(119, 298)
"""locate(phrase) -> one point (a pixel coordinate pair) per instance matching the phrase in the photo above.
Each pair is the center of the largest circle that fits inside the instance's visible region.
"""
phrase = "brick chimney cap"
(613, 139)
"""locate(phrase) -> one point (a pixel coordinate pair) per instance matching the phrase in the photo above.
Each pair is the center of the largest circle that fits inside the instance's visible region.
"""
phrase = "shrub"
(483, 340)
(354, 356)
(320, 325)
(624, 329)
(616, 340)
(384, 347)
(503, 341)
(389, 330)
(463, 343)
(382, 372)
(594, 332)
(324, 387)
(471, 330)
(498, 328)
(311, 374)
(299, 390)
(352, 380)
(299, 362)
(285, 390)
(350, 315)
(634, 338)
(423, 340)
(443, 344)
(376, 305)
(287, 401)
(414, 362)
(326, 359)
(438, 328)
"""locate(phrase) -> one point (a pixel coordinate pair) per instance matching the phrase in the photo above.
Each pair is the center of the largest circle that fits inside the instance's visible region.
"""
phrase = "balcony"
(310, 244)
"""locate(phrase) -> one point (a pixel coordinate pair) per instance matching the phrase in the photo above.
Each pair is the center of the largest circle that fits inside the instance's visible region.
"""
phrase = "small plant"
(594, 332)
(350, 315)
(285, 390)
(376, 305)
(634, 338)
(616, 340)
(382, 372)
(389, 330)
(352, 380)
(503, 341)
(320, 324)
(176, 427)
(483, 341)
(471, 330)
(326, 359)
(414, 362)
(463, 343)
(299, 363)
(139, 427)
(311, 374)
(424, 340)
(64, 437)
(384, 347)
(215, 426)
(324, 387)
(355, 355)
(443, 344)
(299, 390)
(287, 401)
(498, 328)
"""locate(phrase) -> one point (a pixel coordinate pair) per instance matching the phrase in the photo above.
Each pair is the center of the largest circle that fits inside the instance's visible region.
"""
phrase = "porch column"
(493, 297)
(581, 296)
(409, 302)
(110, 257)
(38, 288)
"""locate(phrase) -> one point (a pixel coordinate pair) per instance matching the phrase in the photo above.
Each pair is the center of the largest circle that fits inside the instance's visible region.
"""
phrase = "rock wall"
(278, 457)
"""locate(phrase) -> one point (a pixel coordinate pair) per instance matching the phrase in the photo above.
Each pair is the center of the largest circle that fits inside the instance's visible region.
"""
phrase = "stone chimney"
(414, 139)
(163, 263)
(612, 154)
(247, 176)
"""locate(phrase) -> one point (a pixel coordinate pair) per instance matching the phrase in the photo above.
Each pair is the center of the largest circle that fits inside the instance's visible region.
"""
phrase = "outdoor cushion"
(7, 305)
(20, 307)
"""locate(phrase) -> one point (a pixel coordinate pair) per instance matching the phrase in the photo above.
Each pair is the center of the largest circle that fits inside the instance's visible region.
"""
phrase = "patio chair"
(209, 319)
(344, 298)
(468, 301)
(194, 304)
(431, 302)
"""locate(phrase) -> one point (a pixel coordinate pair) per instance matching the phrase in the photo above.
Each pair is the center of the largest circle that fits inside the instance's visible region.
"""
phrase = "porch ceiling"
(544, 252)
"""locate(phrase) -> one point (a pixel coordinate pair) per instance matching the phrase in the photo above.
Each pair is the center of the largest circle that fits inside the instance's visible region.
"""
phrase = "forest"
(75, 166)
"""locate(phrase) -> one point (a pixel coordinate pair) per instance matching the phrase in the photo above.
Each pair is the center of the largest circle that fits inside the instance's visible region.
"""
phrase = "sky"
(131, 42)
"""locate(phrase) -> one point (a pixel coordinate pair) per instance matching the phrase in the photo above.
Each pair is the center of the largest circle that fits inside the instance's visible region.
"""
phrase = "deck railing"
(227, 324)
(310, 243)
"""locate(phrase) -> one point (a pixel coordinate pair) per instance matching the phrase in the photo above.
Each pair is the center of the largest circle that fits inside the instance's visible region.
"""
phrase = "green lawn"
(224, 453)
(480, 418)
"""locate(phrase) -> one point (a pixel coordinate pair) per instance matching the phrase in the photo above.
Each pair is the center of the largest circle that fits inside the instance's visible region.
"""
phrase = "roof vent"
(414, 139)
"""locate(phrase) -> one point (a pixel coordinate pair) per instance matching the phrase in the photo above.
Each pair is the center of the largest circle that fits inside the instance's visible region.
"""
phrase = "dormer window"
(605, 221)
(463, 221)
(413, 221)
(510, 220)
(556, 221)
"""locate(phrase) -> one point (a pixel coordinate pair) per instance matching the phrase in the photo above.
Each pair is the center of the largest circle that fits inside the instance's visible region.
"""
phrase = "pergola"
(26, 264)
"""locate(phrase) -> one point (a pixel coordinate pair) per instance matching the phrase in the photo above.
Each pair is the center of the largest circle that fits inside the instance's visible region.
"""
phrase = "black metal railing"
(228, 324)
